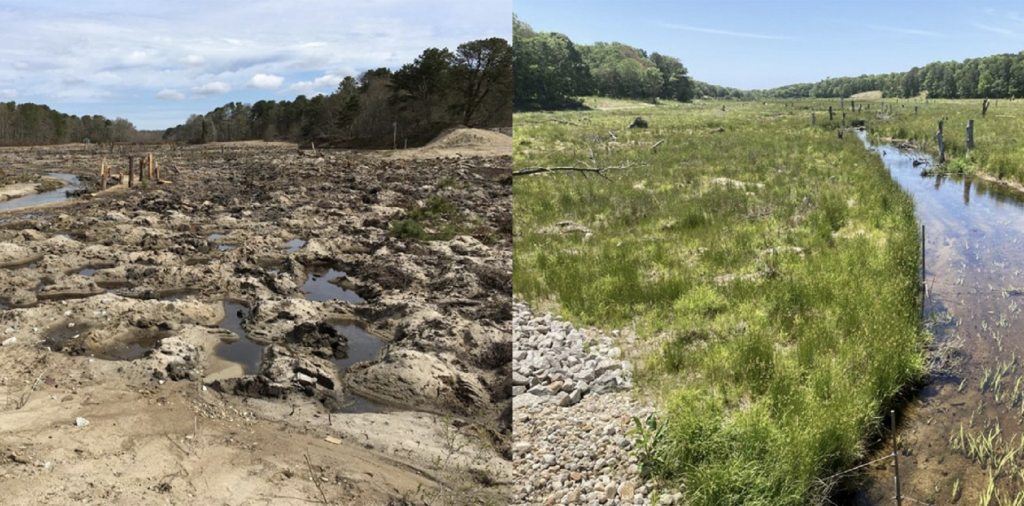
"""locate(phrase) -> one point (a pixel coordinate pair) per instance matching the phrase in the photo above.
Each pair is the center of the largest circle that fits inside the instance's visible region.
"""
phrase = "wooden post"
(394, 140)
(157, 165)
(131, 171)
(842, 104)
(915, 110)
(852, 105)
(151, 166)
(844, 118)
(967, 191)
(984, 108)
(814, 119)
(896, 458)
(942, 148)
(970, 136)
(103, 175)
(830, 113)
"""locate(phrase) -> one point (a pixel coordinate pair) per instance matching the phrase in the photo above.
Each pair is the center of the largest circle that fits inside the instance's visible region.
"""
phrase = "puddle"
(138, 347)
(91, 270)
(221, 247)
(295, 245)
(362, 345)
(49, 197)
(320, 286)
(356, 404)
(974, 258)
(243, 351)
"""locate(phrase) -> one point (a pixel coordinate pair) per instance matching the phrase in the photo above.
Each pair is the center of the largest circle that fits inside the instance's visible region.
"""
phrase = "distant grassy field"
(770, 269)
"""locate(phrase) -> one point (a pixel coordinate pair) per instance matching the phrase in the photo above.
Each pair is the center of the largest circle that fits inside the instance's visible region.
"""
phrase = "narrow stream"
(49, 197)
(975, 290)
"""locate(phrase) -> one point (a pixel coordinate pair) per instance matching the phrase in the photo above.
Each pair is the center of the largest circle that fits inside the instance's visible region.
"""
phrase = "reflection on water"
(242, 351)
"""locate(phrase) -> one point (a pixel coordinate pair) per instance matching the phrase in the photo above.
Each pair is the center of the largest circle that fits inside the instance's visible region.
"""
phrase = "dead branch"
(656, 144)
(600, 171)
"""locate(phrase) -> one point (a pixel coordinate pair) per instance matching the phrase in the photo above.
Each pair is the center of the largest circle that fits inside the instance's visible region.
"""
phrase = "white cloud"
(8, 93)
(193, 60)
(169, 94)
(137, 58)
(214, 88)
(728, 33)
(265, 82)
(327, 82)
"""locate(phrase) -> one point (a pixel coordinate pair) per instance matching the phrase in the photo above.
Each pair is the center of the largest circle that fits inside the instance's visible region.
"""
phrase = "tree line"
(996, 76)
(30, 124)
(552, 72)
(471, 86)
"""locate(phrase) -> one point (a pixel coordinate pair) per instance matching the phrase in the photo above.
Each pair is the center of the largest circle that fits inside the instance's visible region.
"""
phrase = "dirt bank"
(118, 317)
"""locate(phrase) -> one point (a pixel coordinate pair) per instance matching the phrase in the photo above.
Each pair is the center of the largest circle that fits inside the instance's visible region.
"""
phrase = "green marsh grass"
(769, 268)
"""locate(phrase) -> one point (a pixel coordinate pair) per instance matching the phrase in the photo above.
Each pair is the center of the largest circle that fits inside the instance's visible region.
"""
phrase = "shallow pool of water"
(362, 345)
(243, 351)
(319, 287)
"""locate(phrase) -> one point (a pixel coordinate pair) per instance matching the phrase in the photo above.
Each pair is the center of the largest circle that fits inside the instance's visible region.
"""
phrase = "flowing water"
(49, 197)
(975, 281)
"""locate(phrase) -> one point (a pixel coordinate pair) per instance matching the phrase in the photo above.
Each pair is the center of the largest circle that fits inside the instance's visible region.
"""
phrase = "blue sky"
(764, 44)
(155, 62)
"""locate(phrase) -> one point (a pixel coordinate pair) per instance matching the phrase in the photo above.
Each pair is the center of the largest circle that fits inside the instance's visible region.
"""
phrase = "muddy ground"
(113, 389)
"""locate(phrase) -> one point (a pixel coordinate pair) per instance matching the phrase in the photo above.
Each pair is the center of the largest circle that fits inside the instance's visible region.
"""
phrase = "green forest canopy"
(551, 72)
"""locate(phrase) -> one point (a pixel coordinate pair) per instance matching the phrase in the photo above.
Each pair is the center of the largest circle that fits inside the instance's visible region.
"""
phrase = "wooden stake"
(131, 171)
(151, 166)
(103, 175)
(970, 136)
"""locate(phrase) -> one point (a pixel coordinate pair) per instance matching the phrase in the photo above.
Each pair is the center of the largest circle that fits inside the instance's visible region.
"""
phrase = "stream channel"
(38, 199)
(974, 256)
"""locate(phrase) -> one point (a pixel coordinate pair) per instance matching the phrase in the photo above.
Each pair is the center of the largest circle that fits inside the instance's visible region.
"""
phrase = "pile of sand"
(471, 138)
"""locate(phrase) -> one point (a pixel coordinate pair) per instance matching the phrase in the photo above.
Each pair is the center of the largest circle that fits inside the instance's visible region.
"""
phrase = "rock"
(9, 341)
(81, 422)
(563, 399)
(626, 490)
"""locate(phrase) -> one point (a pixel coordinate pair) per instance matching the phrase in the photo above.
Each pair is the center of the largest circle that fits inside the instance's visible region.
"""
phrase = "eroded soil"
(116, 309)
